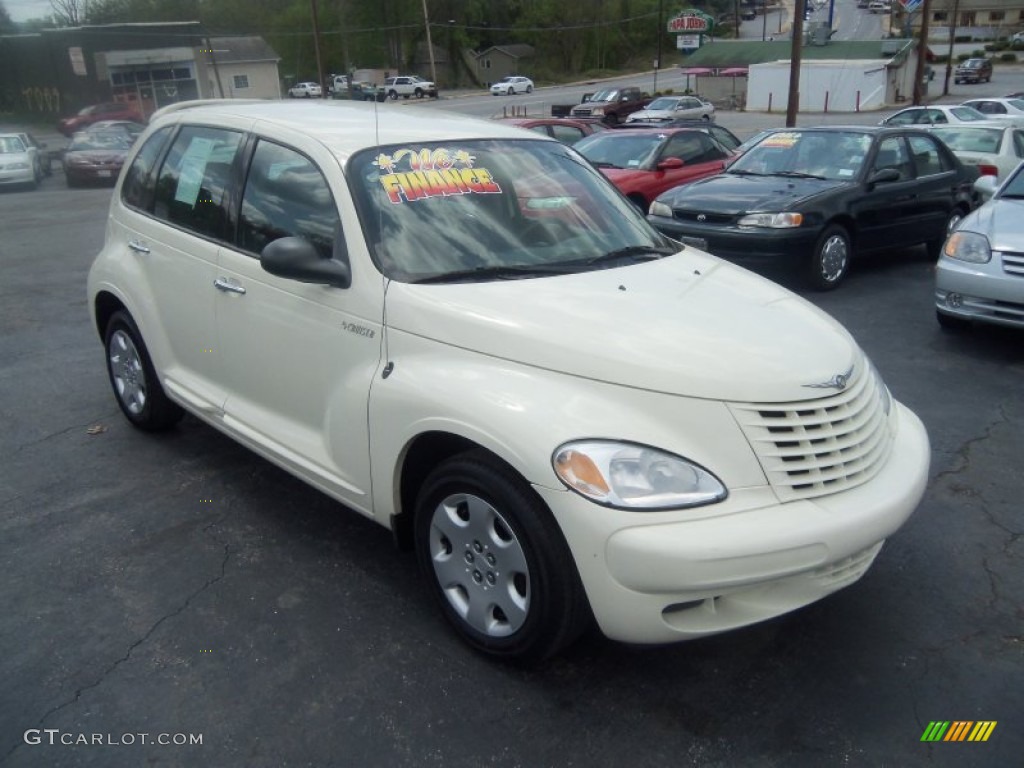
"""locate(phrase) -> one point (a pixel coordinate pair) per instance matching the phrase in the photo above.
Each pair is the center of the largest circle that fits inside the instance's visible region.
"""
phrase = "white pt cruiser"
(462, 331)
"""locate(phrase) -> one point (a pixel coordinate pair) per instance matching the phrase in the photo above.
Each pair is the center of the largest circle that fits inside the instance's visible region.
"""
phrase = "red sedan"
(110, 111)
(565, 130)
(643, 163)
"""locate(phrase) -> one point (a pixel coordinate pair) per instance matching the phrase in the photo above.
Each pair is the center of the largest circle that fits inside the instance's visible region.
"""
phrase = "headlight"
(660, 209)
(968, 246)
(631, 476)
(773, 220)
(597, 111)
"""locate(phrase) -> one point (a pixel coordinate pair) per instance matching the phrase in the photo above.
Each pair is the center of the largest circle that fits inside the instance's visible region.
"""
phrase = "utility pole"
(795, 56)
(661, 34)
(430, 45)
(952, 39)
(922, 54)
(316, 49)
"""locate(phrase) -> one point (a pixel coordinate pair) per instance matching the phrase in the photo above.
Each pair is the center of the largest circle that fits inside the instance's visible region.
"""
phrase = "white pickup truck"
(409, 85)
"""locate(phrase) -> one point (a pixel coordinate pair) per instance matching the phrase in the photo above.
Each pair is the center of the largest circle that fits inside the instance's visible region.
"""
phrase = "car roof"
(344, 127)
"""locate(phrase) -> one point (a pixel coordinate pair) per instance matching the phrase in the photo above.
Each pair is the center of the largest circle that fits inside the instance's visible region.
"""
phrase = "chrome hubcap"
(480, 565)
(127, 373)
(833, 258)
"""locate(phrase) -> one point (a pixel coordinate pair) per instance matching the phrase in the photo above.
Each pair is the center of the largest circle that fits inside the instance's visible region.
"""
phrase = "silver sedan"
(980, 274)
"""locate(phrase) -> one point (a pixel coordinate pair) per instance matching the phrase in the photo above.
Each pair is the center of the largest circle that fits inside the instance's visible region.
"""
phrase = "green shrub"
(963, 56)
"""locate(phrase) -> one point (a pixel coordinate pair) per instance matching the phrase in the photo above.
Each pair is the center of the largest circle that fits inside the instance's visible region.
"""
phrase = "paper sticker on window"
(843, 172)
(408, 175)
(193, 163)
(781, 140)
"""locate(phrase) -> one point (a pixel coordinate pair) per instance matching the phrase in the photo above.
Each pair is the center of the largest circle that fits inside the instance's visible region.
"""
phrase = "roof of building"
(727, 53)
(515, 50)
(230, 50)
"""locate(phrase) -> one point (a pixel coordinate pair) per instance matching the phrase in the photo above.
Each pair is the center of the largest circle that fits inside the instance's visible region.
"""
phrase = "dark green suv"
(974, 71)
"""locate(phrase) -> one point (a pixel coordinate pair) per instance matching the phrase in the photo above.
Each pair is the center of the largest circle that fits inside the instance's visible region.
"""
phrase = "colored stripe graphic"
(959, 730)
(935, 731)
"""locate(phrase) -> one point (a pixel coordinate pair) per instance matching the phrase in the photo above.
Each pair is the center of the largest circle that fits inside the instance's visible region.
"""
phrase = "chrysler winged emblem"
(839, 381)
(701, 217)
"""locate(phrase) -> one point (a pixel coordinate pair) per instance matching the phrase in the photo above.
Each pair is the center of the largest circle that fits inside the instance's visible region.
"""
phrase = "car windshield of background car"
(834, 155)
(10, 145)
(619, 150)
(606, 95)
(964, 139)
(105, 141)
(967, 114)
(664, 103)
(492, 209)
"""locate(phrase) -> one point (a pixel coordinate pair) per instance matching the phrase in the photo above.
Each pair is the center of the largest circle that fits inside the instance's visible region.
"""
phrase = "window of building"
(941, 16)
(996, 15)
(241, 81)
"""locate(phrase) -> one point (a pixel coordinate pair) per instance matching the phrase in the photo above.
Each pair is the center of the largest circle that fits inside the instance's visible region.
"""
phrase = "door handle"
(223, 284)
(137, 246)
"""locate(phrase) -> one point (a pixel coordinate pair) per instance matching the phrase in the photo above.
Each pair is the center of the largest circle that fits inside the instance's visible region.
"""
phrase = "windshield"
(606, 95)
(1014, 186)
(493, 209)
(1016, 103)
(962, 139)
(633, 149)
(10, 145)
(967, 114)
(834, 155)
(104, 141)
(663, 103)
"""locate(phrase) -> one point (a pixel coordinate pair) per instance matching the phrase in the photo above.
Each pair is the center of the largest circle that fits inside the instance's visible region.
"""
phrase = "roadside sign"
(687, 41)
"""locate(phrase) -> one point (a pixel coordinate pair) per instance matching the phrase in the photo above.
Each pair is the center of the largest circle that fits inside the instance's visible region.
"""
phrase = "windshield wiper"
(638, 252)
(602, 164)
(798, 175)
(740, 172)
(498, 271)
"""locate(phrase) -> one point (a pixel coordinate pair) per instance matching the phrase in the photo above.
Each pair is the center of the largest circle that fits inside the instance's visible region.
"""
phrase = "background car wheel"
(419, 93)
(496, 561)
(529, 89)
(393, 95)
(133, 378)
(951, 323)
(611, 119)
(511, 91)
(935, 246)
(831, 258)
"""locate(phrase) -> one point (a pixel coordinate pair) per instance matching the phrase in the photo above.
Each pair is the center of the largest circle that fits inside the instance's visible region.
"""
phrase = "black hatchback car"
(814, 197)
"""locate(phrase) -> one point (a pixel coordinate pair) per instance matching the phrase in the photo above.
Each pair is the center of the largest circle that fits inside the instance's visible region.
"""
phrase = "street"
(179, 586)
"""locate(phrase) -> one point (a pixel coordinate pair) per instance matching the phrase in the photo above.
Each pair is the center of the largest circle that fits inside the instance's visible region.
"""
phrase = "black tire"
(611, 119)
(132, 376)
(935, 246)
(512, 588)
(830, 261)
(951, 323)
(419, 93)
(529, 89)
(511, 91)
(393, 95)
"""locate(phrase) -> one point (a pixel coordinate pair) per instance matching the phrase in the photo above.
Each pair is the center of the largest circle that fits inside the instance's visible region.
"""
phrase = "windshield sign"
(485, 210)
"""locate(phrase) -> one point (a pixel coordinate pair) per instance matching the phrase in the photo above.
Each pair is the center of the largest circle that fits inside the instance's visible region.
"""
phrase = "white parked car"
(666, 108)
(995, 147)
(409, 85)
(998, 107)
(19, 162)
(511, 85)
(937, 114)
(469, 336)
(305, 91)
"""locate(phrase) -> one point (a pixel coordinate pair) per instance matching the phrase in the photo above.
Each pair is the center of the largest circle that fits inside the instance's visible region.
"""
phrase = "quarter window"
(137, 188)
(286, 195)
(192, 188)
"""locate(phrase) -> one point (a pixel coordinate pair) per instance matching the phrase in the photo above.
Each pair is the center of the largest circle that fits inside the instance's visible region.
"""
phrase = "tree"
(69, 13)
(6, 25)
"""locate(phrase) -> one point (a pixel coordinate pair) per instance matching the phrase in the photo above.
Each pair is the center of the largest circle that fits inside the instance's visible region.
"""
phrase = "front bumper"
(753, 560)
(981, 292)
(749, 246)
(17, 176)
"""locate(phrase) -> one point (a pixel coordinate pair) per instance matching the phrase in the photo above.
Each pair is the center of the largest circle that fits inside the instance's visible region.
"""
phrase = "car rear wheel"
(496, 561)
(935, 246)
(134, 379)
(393, 95)
(831, 258)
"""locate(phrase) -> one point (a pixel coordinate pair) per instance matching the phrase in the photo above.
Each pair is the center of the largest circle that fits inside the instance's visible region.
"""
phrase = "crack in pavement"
(117, 662)
(964, 450)
(52, 435)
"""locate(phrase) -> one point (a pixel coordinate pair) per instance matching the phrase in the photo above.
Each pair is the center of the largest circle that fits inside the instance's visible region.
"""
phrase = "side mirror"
(883, 176)
(298, 259)
(986, 186)
(670, 164)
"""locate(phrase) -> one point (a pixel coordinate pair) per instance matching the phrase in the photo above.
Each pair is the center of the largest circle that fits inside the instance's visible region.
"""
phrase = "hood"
(651, 114)
(734, 194)
(105, 156)
(689, 324)
(1001, 221)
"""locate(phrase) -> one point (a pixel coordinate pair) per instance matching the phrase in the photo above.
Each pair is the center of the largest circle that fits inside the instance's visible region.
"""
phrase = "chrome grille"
(817, 447)
(1013, 263)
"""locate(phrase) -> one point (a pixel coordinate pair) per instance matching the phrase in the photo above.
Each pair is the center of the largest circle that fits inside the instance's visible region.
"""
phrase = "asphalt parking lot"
(161, 589)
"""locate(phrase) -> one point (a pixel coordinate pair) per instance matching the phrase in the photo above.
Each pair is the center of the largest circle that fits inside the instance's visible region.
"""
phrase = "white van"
(462, 331)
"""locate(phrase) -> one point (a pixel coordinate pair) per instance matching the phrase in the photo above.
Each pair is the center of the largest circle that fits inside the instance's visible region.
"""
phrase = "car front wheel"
(529, 89)
(831, 259)
(134, 379)
(496, 561)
